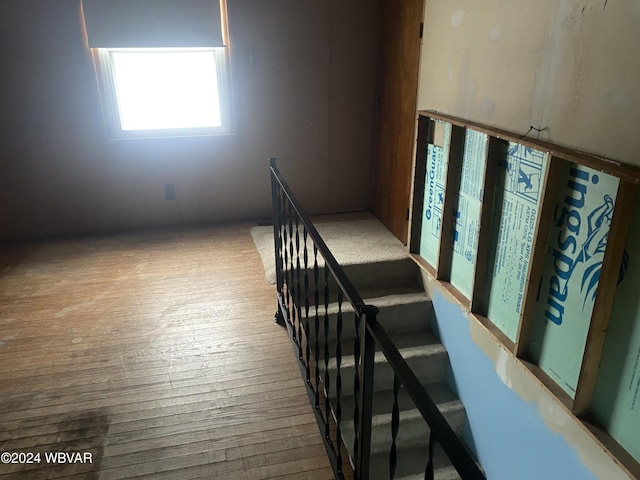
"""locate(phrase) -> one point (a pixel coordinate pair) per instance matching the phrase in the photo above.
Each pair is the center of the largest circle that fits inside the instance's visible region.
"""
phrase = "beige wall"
(307, 98)
(571, 67)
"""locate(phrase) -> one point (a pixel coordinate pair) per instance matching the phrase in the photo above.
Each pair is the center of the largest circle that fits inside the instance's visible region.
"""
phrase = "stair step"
(381, 278)
(444, 473)
(398, 313)
(413, 430)
(428, 362)
(411, 465)
(402, 340)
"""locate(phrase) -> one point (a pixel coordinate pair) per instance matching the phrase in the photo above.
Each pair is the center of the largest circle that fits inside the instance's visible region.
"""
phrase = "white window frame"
(106, 80)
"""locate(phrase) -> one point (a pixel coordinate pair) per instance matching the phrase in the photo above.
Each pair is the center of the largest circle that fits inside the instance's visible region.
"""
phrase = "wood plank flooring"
(154, 352)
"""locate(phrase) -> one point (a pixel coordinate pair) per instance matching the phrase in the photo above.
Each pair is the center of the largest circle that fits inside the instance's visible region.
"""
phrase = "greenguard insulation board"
(434, 190)
(467, 218)
(517, 200)
(575, 250)
(616, 402)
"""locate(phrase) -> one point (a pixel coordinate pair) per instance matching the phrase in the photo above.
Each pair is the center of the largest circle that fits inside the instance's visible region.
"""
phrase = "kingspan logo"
(573, 248)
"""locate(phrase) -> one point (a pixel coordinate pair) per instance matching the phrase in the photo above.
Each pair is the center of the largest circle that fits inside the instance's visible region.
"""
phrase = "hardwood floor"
(155, 353)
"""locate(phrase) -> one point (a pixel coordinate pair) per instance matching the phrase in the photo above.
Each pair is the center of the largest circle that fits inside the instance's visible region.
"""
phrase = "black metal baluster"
(356, 389)
(327, 381)
(291, 288)
(316, 301)
(306, 303)
(281, 220)
(429, 473)
(338, 411)
(367, 367)
(276, 197)
(284, 254)
(290, 276)
(298, 290)
(395, 424)
(287, 269)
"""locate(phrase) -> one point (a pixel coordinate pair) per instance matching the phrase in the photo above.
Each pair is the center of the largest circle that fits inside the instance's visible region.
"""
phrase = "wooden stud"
(538, 251)
(450, 205)
(605, 295)
(495, 147)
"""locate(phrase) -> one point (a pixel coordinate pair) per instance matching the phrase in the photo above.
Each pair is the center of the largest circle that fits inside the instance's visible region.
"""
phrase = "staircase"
(395, 287)
(373, 269)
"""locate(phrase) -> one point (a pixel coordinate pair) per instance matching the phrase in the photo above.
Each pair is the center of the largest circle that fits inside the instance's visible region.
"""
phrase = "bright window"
(157, 89)
(165, 91)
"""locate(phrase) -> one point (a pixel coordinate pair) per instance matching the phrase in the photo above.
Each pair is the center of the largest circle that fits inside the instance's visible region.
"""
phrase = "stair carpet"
(405, 313)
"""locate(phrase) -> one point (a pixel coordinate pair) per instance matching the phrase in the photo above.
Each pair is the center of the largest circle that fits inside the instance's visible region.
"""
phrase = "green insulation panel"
(575, 250)
(434, 190)
(467, 218)
(520, 178)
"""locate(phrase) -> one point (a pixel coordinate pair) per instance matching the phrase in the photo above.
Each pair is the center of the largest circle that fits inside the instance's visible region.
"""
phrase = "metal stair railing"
(315, 300)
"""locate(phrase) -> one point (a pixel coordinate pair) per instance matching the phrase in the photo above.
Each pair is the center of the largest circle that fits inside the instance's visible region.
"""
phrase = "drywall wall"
(568, 67)
(303, 90)
(517, 428)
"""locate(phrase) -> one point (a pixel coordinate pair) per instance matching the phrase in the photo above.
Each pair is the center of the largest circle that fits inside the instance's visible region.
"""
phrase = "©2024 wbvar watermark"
(52, 458)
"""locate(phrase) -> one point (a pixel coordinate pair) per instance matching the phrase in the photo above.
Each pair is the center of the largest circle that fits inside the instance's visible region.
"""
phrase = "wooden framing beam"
(627, 173)
(495, 148)
(450, 205)
(605, 294)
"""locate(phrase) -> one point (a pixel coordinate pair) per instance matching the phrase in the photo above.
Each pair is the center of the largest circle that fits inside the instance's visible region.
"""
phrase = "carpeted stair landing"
(379, 267)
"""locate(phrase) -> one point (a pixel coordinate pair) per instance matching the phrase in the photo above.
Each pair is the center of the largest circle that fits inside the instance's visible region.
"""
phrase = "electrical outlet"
(170, 191)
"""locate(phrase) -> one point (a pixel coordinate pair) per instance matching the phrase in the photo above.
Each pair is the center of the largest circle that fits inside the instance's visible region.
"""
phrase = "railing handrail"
(457, 452)
(341, 278)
